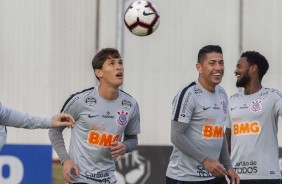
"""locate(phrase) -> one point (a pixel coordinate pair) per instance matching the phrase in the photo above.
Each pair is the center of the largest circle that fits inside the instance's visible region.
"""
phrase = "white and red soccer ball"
(141, 18)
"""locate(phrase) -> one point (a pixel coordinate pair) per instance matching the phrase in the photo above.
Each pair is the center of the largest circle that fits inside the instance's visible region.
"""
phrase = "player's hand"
(214, 167)
(118, 149)
(68, 168)
(62, 120)
(233, 176)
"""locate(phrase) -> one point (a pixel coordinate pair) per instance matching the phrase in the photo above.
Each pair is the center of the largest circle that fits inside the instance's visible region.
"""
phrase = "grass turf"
(57, 173)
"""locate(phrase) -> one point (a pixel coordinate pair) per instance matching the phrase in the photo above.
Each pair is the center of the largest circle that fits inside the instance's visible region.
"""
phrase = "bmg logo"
(11, 170)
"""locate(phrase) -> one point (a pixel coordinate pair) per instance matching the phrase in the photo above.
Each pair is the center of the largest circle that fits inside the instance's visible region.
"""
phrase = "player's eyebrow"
(216, 60)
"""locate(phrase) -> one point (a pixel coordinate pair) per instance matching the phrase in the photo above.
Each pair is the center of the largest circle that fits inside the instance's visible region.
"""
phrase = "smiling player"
(253, 127)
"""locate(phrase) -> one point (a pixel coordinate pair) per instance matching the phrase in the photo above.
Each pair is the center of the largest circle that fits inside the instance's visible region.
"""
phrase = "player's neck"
(107, 92)
(253, 88)
(206, 85)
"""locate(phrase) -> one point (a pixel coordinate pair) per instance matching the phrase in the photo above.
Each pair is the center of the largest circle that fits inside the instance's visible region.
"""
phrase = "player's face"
(112, 72)
(211, 70)
(242, 72)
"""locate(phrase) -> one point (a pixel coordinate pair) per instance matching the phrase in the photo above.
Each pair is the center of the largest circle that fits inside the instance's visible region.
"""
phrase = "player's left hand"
(233, 176)
(62, 120)
(118, 149)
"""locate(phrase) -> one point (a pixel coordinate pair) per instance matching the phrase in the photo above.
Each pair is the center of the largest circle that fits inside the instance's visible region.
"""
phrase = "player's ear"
(254, 68)
(199, 67)
(98, 73)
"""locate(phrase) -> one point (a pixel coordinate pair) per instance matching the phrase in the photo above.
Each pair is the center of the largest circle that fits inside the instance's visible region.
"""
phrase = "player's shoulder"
(235, 96)
(220, 89)
(271, 92)
(127, 99)
(192, 87)
(83, 95)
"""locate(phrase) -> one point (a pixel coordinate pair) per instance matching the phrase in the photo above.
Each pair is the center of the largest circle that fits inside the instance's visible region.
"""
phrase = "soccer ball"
(141, 18)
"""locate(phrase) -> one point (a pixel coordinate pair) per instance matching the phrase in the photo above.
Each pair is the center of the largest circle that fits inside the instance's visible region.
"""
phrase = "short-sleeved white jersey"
(254, 144)
(99, 122)
(206, 114)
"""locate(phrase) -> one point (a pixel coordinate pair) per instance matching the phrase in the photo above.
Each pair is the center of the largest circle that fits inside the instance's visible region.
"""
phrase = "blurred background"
(46, 48)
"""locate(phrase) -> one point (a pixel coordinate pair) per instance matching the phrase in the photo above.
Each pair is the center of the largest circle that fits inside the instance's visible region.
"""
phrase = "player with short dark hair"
(104, 114)
(252, 132)
(199, 112)
(14, 118)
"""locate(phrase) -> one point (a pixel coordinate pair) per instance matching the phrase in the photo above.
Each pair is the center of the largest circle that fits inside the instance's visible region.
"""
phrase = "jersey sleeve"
(3, 136)
(14, 118)
(71, 106)
(278, 103)
(56, 135)
(182, 107)
(228, 117)
(133, 126)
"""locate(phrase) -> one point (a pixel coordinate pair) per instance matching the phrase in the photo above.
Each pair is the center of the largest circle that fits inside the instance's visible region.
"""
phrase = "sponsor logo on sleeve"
(198, 92)
(70, 104)
(185, 104)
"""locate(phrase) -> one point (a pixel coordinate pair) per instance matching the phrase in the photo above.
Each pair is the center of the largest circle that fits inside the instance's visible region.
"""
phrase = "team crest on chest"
(122, 117)
(256, 105)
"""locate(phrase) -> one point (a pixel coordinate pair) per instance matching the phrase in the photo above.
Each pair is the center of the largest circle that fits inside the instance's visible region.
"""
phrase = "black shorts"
(213, 181)
(277, 181)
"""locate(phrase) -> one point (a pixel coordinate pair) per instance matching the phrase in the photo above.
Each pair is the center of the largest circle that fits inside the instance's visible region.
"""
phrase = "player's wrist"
(205, 159)
(64, 161)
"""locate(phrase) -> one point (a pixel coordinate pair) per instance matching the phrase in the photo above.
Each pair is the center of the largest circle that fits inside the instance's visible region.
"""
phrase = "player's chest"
(103, 118)
(249, 108)
(215, 107)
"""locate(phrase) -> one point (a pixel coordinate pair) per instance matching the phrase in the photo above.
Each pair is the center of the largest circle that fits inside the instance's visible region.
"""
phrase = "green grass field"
(57, 173)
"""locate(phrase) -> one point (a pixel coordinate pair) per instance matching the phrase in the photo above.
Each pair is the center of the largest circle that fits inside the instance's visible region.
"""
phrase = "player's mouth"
(119, 75)
(237, 76)
(217, 74)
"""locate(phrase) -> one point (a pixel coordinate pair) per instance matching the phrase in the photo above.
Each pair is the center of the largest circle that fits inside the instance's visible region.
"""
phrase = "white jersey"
(206, 114)
(99, 122)
(254, 144)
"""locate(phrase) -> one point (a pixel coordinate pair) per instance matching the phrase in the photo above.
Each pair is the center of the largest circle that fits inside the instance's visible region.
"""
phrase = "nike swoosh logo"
(206, 108)
(90, 116)
(233, 108)
(146, 14)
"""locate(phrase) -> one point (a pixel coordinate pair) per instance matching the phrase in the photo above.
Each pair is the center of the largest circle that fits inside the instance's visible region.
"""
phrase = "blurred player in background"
(14, 118)
(253, 128)
(200, 153)
(103, 115)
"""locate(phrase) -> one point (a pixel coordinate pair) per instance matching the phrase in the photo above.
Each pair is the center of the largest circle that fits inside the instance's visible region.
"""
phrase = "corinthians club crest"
(256, 105)
(122, 117)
